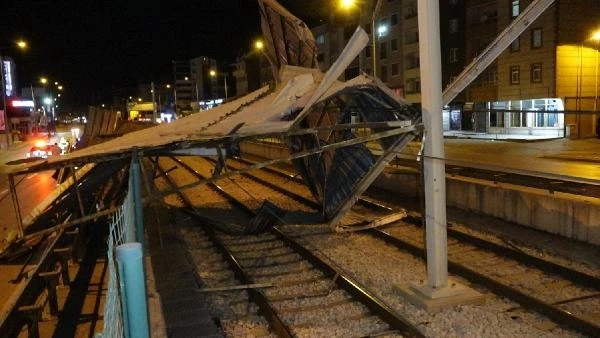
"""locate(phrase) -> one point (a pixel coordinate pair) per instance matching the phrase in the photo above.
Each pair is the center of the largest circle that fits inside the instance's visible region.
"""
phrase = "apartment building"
(552, 67)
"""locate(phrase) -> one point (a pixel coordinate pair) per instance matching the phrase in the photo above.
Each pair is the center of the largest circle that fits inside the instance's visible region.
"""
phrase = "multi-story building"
(552, 67)
(200, 68)
(184, 89)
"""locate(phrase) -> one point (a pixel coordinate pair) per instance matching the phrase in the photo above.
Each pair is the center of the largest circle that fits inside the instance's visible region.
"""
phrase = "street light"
(213, 73)
(349, 4)
(21, 45)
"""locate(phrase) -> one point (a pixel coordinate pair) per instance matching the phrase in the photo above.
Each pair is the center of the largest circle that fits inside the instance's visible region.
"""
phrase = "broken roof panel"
(327, 123)
(289, 41)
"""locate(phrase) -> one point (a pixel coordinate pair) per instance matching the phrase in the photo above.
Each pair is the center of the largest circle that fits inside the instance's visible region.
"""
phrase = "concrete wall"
(571, 216)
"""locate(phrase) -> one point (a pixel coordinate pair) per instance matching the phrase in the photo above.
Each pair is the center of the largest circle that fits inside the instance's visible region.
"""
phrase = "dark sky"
(91, 46)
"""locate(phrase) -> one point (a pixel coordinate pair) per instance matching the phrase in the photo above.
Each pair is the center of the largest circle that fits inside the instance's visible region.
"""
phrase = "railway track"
(567, 296)
(550, 183)
(302, 294)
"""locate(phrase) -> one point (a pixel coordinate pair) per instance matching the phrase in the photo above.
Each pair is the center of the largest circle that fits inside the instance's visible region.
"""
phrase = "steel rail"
(378, 307)
(291, 194)
(553, 312)
(541, 264)
(546, 266)
(276, 323)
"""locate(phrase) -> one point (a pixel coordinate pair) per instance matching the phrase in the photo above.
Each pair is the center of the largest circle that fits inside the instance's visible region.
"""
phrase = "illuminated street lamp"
(21, 45)
(351, 4)
(213, 74)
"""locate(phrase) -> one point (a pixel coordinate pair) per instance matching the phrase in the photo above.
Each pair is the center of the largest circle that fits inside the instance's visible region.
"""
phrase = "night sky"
(94, 46)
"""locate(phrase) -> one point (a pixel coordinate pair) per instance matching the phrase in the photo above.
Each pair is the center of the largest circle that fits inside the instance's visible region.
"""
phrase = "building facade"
(545, 84)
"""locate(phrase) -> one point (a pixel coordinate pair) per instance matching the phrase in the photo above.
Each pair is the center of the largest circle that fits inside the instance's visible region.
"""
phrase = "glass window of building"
(536, 38)
(394, 69)
(515, 75)
(383, 74)
(320, 39)
(453, 57)
(410, 11)
(536, 72)
(515, 8)
(413, 86)
(453, 26)
(382, 51)
(394, 45)
(411, 37)
(516, 45)
(394, 19)
(412, 61)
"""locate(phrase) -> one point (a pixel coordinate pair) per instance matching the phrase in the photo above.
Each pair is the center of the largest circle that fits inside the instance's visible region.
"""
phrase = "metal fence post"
(133, 290)
(137, 197)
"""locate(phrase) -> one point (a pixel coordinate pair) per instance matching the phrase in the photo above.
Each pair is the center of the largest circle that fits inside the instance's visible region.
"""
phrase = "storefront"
(535, 117)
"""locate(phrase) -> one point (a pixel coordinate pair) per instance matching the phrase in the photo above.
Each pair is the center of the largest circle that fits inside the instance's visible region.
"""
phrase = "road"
(556, 158)
(32, 189)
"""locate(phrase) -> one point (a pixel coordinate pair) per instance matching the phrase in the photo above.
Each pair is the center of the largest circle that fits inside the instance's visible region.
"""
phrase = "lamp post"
(213, 73)
(347, 4)
(21, 45)
(5, 115)
(259, 46)
(596, 37)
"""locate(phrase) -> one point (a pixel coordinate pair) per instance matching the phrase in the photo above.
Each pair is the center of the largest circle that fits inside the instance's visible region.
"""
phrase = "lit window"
(320, 39)
(413, 86)
(536, 38)
(515, 75)
(536, 73)
(515, 8)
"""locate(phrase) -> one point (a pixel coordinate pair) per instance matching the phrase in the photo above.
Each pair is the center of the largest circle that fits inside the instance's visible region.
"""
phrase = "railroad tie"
(64, 255)
(51, 278)
(74, 243)
(32, 315)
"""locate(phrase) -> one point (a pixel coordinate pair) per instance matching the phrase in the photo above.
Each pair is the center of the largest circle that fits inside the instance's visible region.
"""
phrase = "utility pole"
(4, 112)
(154, 115)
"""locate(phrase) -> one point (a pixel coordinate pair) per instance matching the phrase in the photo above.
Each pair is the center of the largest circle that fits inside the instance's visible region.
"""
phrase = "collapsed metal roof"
(327, 123)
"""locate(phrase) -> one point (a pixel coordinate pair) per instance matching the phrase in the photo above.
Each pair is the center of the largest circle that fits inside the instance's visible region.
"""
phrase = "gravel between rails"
(381, 267)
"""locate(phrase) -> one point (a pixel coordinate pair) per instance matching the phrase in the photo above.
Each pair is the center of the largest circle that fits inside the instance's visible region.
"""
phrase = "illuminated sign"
(26, 103)
(8, 83)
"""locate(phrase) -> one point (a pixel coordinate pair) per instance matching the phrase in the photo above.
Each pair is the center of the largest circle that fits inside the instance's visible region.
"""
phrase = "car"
(40, 151)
